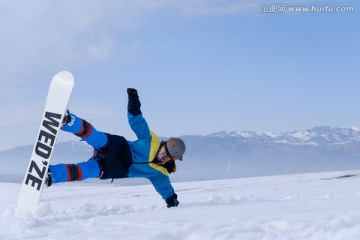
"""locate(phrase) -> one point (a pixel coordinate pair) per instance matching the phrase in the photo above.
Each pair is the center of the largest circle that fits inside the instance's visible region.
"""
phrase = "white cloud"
(34, 33)
(43, 33)
(41, 36)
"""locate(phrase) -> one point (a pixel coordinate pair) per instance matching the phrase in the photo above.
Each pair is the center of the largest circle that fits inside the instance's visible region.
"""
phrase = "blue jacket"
(144, 150)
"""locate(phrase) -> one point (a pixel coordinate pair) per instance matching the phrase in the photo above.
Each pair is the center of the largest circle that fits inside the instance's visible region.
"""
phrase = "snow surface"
(302, 206)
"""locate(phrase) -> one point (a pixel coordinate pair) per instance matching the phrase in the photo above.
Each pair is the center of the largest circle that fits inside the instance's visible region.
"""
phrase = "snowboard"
(56, 104)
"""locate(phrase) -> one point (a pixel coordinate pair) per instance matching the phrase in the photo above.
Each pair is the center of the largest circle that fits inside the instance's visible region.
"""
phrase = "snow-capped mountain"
(233, 154)
(314, 136)
(247, 153)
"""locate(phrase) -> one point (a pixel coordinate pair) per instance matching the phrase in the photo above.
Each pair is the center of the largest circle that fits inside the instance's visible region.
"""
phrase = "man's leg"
(86, 131)
(75, 172)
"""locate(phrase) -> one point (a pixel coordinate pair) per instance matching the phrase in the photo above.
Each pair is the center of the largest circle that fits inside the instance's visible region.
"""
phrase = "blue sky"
(199, 66)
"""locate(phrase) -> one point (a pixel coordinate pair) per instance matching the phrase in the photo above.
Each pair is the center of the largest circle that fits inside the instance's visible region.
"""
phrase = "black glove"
(172, 201)
(132, 92)
(134, 102)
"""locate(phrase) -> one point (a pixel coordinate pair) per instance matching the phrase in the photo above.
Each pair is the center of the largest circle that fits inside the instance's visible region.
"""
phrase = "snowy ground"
(309, 206)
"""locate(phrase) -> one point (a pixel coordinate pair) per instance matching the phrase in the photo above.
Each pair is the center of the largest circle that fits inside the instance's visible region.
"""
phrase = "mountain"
(314, 136)
(247, 153)
(232, 154)
(15, 161)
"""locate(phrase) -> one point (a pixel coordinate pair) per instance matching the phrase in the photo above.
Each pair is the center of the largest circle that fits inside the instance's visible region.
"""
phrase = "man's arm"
(137, 122)
(165, 189)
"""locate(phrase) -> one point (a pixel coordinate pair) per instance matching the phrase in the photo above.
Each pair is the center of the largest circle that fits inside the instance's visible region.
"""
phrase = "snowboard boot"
(48, 179)
(67, 118)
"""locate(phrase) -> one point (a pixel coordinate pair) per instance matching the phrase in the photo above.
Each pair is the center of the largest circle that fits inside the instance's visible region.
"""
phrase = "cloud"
(36, 35)
(48, 36)
(42, 37)
(43, 34)
(52, 32)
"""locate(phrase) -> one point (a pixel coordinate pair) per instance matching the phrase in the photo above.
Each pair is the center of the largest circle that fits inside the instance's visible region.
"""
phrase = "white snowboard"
(56, 103)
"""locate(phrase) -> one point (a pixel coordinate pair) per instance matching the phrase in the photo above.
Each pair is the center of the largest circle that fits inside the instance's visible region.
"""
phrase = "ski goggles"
(163, 155)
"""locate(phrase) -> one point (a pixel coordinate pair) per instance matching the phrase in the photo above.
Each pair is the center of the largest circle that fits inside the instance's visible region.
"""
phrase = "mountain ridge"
(231, 154)
(316, 135)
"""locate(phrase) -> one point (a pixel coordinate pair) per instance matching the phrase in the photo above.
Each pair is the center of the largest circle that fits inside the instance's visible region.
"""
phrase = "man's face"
(162, 155)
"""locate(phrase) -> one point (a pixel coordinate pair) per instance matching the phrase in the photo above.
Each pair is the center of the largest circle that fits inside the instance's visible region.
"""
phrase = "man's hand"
(132, 92)
(134, 102)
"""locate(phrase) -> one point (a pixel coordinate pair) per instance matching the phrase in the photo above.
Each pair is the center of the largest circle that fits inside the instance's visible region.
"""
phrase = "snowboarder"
(116, 157)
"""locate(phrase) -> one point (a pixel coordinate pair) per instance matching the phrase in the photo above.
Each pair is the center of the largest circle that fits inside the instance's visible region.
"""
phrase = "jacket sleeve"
(163, 186)
(136, 120)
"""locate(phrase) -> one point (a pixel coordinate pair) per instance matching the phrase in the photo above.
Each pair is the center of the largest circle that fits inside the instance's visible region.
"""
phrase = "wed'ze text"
(43, 149)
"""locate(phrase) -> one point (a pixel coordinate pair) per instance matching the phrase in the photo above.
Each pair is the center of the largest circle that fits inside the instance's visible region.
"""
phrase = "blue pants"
(82, 170)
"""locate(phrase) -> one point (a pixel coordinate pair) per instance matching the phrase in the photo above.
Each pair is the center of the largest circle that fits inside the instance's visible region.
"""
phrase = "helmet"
(176, 148)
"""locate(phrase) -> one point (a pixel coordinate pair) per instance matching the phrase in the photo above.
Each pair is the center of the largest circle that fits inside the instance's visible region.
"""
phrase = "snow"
(301, 206)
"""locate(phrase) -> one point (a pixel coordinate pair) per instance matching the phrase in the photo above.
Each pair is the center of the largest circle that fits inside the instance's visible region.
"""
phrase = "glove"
(172, 201)
(132, 92)
(134, 102)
